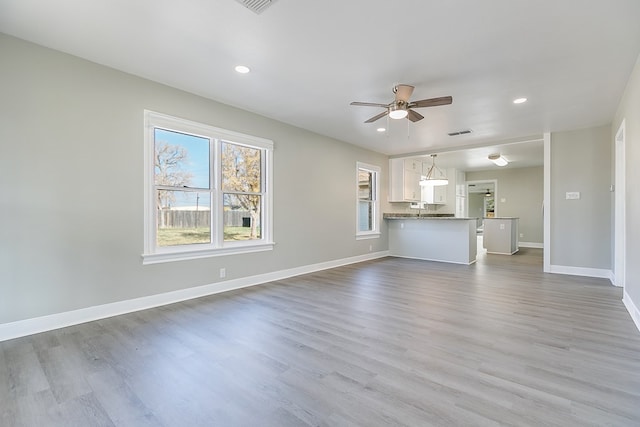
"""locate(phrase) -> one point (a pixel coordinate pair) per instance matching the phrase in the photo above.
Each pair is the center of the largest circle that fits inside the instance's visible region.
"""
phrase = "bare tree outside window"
(182, 185)
(242, 186)
(170, 163)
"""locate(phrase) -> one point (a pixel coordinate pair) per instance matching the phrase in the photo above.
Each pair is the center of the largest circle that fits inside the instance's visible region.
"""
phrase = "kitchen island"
(500, 235)
(432, 238)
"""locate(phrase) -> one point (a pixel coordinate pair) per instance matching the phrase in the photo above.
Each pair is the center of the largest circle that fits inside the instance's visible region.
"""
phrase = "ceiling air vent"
(257, 6)
(462, 132)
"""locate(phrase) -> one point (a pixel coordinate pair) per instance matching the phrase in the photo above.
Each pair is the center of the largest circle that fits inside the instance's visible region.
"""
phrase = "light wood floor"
(391, 342)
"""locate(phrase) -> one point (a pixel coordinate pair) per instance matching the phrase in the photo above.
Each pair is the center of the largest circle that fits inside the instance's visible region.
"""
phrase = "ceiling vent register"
(257, 6)
(462, 132)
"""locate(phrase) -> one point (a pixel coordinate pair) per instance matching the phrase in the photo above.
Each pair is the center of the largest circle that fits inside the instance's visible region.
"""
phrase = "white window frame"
(157, 254)
(375, 232)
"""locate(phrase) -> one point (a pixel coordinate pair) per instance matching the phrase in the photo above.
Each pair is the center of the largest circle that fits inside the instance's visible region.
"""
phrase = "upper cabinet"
(404, 180)
(435, 194)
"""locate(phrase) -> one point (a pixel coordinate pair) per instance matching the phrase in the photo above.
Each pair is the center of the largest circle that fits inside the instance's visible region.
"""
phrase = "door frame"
(620, 217)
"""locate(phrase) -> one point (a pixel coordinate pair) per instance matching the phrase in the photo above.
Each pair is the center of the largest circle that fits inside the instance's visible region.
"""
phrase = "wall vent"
(462, 132)
(257, 6)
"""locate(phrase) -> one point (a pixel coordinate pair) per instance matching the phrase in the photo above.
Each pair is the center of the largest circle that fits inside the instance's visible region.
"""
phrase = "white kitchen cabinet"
(434, 194)
(404, 180)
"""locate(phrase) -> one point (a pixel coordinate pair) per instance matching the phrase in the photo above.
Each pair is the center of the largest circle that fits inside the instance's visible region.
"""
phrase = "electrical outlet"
(501, 226)
(223, 273)
(572, 195)
(370, 248)
(521, 234)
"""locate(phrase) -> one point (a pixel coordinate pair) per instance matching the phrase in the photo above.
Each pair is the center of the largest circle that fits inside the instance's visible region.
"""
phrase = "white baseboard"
(580, 271)
(531, 245)
(612, 278)
(632, 309)
(36, 325)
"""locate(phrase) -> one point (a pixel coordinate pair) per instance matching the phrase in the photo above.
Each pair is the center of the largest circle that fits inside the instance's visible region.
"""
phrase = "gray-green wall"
(522, 190)
(71, 176)
(581, 229)
(629, 111)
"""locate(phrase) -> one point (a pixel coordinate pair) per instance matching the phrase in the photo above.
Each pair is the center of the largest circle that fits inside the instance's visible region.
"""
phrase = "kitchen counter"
(433, 238)
(425, 216)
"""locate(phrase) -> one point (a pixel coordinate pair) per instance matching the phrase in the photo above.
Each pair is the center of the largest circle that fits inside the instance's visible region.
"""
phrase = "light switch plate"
(572, 195)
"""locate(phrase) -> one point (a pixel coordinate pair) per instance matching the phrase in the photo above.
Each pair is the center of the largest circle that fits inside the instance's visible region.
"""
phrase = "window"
(207, 190)
(367, 221)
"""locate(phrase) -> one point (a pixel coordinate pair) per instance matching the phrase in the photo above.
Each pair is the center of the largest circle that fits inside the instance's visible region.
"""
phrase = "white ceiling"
(310, 59)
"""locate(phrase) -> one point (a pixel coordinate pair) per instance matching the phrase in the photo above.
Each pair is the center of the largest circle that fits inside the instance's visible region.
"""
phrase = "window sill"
(374, 235)
(205, 253)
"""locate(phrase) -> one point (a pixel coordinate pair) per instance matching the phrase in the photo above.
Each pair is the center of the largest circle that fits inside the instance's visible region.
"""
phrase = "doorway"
(481, 201)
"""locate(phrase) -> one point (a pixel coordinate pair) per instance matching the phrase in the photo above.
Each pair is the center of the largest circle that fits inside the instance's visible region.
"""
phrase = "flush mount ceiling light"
(488, 193)
(435, 175)
(498, 159)
(381, 129)
(242, 69)
(519, 100)
(398, 111)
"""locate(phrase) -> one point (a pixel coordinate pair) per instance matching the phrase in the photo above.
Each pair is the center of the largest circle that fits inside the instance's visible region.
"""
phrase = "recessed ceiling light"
(381, 129)
(242, 69)
(519, 100)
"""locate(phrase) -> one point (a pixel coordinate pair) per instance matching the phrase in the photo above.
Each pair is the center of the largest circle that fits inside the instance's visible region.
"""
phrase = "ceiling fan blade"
(414, 116)
(433, 102)
(369, 104)
(376, 117)
(403, 92)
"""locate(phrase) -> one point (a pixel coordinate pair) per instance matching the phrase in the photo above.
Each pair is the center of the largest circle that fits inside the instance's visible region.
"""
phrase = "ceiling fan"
(402, 107)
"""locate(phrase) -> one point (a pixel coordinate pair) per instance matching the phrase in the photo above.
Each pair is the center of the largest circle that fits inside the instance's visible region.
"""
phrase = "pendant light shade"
(435, 175)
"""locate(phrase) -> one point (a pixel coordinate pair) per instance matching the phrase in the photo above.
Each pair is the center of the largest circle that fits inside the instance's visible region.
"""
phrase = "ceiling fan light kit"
(398, 111)
(498, 159)
(401, 107)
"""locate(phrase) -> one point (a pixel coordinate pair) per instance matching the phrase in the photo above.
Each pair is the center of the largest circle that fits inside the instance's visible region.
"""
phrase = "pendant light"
(432, 177)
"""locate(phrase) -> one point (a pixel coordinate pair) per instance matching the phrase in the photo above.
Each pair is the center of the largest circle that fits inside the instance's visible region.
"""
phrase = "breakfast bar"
(433, 238)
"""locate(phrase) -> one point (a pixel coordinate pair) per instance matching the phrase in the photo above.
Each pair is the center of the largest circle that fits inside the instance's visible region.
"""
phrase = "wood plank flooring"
(391, 342)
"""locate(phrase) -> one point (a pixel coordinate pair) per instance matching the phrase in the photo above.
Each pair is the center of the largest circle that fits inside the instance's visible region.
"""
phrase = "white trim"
(495, 193)
(217, 247)
(531, 245)
(631, 308)
(376, 171)
(36, 325)
(580, 271)
(206, 253)
(620, 220)
(546, 204)
(368, 235)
